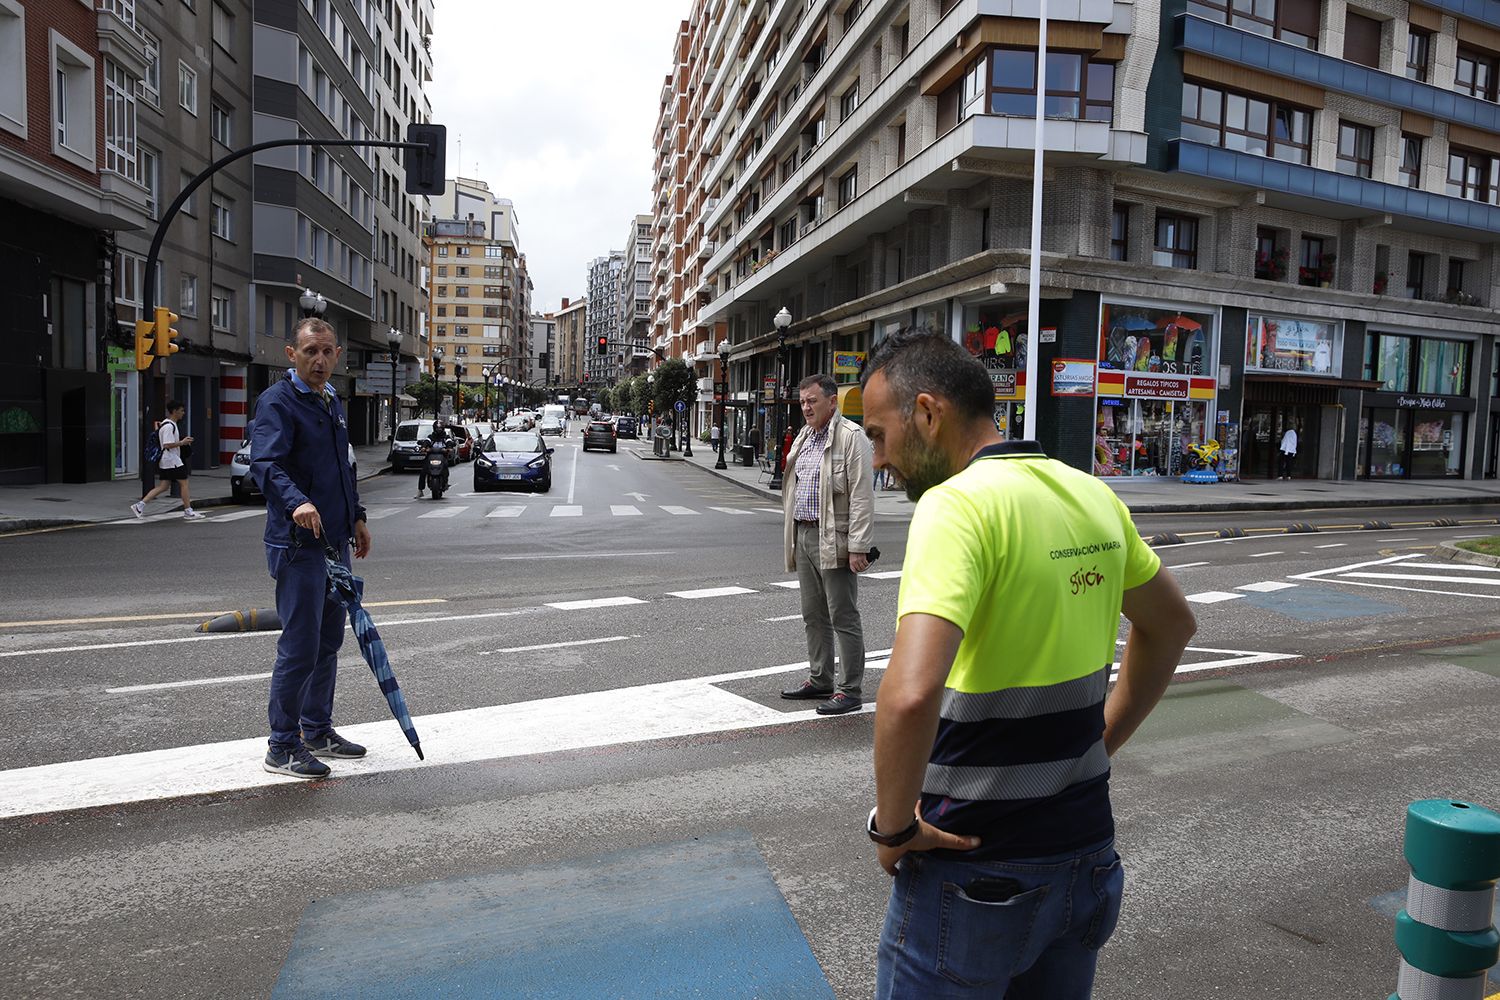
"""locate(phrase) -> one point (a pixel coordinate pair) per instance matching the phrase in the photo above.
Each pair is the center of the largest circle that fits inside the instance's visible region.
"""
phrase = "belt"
(810, 524)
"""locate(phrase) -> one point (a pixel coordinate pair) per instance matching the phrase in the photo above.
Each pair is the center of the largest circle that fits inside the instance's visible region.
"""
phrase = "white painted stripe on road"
(1213, 597)
(1266, 586)
(730, 510)
(567, 511)
(573, 476)
(1457, 566)
(238, 515)
(769, 510)
(698, 595)
(182, 684)
(506, 512)
(781, 618)
(1190, 565)
(377, 513)
(889, 574)
(1332, 545)
(558, 645)
(624, 510)
(598, 602)
(788, 584)
(1425, 578)
(680, 511)
(1261, 555)
(445, 512)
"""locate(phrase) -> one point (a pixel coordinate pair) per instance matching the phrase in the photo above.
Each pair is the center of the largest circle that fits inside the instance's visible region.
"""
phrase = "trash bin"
(747, 455)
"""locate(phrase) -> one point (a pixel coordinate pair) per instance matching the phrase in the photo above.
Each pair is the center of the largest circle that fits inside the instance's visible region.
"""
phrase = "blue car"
(517, 460)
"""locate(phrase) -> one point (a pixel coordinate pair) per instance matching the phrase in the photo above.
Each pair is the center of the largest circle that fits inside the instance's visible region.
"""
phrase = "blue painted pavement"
(1321, 604)
(701, 918)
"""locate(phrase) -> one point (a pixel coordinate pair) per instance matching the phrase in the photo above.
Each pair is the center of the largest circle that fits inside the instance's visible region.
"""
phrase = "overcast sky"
(554, 102)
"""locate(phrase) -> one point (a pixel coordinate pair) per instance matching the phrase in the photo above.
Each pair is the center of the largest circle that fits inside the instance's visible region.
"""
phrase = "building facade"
(634, 298)
(569, 359)
(1251, 223)
(70, 186)
(604, 369)
(543, 349)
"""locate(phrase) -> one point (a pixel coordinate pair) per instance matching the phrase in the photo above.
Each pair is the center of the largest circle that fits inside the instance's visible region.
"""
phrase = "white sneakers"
(138, 509)
(189, 514)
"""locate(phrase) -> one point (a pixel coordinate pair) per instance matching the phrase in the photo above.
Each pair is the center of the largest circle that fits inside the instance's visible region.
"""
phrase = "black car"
(513, 460)
(599, 434)
(625, 427)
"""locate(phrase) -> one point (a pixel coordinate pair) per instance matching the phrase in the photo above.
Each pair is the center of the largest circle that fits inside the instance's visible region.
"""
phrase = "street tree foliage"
(674, 382)
(606, 400)
(640, 393)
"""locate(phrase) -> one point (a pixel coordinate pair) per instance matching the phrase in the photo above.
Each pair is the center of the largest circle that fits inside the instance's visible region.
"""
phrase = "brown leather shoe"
(804, 692)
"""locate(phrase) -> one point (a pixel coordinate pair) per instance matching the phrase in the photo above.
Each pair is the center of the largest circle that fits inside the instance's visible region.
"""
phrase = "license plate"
(510, 475)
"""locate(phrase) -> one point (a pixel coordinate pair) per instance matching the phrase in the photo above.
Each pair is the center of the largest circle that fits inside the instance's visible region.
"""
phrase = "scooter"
(437, 470)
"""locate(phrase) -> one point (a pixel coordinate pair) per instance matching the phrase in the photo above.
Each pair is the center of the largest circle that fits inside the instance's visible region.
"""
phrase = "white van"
(554, 419)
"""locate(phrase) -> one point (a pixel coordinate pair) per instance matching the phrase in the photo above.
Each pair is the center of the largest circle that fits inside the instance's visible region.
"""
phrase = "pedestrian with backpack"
(169, 449)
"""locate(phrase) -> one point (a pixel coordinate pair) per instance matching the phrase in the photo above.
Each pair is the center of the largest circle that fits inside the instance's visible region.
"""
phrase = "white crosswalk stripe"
(376, 513)
(1213, 597)
(238, 515)
(1266, 586)
(624, 510)
(788, 584)
(566, 511)
(697, 595)
(730, 510)
(445, 512)
(506, 512)
(679, 511)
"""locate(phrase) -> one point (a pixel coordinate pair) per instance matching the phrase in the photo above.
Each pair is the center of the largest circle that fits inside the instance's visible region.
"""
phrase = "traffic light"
(145, 340)
(603, 345)
(165, 334)
(651, 407)
(425, 167)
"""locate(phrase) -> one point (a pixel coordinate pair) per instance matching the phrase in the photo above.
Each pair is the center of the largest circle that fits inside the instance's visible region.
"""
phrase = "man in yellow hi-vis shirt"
(992, 732)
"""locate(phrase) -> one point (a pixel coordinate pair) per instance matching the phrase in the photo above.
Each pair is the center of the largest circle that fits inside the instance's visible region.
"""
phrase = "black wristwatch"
(895, 839)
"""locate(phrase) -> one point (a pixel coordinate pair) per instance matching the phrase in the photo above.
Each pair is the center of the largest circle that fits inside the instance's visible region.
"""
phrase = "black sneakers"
(335, 747)
(297, 762)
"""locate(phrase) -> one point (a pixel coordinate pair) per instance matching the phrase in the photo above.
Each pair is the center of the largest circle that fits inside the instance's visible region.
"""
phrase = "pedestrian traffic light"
(165, 334)
(425, 166)
(603, 345)
(145, 340)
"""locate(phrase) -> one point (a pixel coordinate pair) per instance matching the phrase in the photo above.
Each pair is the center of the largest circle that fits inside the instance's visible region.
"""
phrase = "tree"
(605, 399)
(673, 384)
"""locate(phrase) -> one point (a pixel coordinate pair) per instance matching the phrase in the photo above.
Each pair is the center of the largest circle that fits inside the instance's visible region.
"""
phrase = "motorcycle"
(437, 469)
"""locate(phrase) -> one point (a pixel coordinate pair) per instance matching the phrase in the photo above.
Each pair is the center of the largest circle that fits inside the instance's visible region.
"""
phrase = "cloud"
(554, 105)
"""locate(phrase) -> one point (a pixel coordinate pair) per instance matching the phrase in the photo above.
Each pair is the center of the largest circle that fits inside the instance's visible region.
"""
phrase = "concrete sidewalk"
(50, 505)
(1160, 495)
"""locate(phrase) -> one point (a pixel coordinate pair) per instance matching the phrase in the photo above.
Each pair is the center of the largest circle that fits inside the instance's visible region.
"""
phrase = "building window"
(151, 82)
(442, 291)
(1237, 121)
(119, 121)
(1457, 286)
(219, 123)
(189, 207)
(187, 88)
(1411, 160)
(848, 186)
(187, 295)
(223, 27)
(463, 251)
(461, 291)
(1312, 265)
(13, 67)
(1418, 54)
(1075, 88)
(1472, 175)
(222, 308)
(1362, 39)
(1416, 275)
(148, 167)
(849, 101)
(221, 216)
(1356, 154)
(1293, 21)
(442, 271)
(72, 102)
(1270, 261)
(1176, 241)
(787, 233)
(1475, 75)
(442, 251)
(1119, 232)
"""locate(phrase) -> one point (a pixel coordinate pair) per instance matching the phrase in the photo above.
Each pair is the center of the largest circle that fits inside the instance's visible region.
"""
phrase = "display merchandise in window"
(1151, 340)
(1292, 345)
(1147, 437)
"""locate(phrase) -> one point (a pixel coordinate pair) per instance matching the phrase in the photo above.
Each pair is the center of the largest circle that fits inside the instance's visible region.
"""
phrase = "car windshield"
(410, 432)
(513, 442)
(599, 425)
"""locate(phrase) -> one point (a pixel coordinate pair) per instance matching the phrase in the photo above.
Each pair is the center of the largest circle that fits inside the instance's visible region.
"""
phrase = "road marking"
(1266, 587)
(624, 510)
(598, 602)
(889, 574)
(238, 515)
(445, 512)
(1213, 597)
(769, 510)
(189, 615)
(680, 511)
(1339, 574)
(1465, 567)
(1332, 545)
(1190, 565)
(180, 684)
(532, 557)
(1413, 539)
(559, 645)
(638, 497)
(567, 511)
(697, 595)
(730, 510)
(1260, 555)
(781, 618)
(573, 477)
(379, 512)
(1423, 578)
(788, 584)
(506, 512)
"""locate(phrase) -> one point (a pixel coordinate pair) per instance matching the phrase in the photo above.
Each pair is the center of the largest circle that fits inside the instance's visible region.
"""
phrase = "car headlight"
(242, 457)
(483, 462)
(537, 463)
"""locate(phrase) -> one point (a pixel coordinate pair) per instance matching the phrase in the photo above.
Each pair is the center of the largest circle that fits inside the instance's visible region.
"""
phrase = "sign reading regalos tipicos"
(1155, 387)
(848, 362)
(1128, 385)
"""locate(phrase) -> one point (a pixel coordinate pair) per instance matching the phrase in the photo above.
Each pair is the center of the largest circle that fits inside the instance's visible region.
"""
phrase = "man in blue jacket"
(299, 445)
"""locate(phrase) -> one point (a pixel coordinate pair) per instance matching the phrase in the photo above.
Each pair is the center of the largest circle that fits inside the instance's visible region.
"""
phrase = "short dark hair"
(173, 404)
(916, 360)
(824, 382)
(314, 324)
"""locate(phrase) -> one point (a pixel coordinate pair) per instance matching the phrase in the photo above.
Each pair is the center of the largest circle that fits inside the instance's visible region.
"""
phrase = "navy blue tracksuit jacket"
(299, 452)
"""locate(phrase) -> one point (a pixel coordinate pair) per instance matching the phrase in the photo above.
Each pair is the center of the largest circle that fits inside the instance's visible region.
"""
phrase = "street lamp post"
(312, 303)
(458, 392)
(687, 439)
(393, 338)
(489, 372)
(723, 394)
(437, 382)
(782, 320)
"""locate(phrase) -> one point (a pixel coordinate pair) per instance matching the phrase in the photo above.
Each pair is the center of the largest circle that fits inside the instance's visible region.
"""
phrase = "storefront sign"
(1047, 335)
(1004, 381)
(1156, 387)
(1072, 377)
(1422, 402)
(848, 362)
(1292, 345)
(768, 389)
(1407, 401)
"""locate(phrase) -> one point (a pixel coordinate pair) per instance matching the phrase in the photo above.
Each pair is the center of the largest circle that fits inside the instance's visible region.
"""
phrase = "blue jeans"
(312, 630)
(1038, 938)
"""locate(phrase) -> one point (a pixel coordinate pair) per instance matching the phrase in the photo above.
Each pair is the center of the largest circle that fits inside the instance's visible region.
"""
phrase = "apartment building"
(1252, 222)
(604, 320)
(70, 185)
(634, 298)
(543, 349)
(475, 280)
(504, 268)
(568, 361)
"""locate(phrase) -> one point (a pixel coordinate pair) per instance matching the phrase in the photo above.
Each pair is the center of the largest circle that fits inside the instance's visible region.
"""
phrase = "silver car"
(244, 488)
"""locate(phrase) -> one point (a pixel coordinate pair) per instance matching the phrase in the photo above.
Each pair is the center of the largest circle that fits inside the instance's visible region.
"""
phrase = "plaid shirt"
(810, 475)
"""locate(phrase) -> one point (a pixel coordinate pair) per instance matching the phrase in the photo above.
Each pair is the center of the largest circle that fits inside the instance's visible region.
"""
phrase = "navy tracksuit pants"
(312, 630)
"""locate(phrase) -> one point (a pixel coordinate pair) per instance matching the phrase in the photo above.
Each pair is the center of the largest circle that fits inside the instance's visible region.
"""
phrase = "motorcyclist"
(438, 438)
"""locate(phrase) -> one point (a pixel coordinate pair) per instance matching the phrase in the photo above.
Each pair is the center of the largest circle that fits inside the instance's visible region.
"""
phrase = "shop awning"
(1294, 378)
(404, 400)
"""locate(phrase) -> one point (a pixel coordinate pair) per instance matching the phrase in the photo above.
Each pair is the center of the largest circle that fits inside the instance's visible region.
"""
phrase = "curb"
(1163, 538)
(645, 457)
(1244, 505)
(1452, 553)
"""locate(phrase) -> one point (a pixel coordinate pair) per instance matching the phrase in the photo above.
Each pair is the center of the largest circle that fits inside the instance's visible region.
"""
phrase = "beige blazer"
(846, 496)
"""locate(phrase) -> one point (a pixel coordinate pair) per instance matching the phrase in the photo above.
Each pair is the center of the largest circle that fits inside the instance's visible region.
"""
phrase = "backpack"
(153, 446)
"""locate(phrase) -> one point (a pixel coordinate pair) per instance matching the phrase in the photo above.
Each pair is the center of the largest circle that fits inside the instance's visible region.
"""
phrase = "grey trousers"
(830, 604)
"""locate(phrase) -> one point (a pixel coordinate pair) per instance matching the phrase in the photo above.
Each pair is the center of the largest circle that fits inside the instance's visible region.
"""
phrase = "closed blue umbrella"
(347, 589)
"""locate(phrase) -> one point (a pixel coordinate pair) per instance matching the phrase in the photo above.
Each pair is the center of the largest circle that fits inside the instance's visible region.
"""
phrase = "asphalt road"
(1335, 678)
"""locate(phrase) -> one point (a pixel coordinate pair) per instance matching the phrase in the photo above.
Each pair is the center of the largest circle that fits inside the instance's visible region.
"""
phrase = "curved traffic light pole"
(423, 171)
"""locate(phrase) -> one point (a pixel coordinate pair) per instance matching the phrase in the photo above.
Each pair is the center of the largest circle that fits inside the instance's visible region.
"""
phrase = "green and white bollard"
(1445, 935)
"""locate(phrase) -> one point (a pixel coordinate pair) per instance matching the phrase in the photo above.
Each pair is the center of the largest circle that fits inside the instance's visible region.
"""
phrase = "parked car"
(406, 451)
(465, 441)
(513, 460)
(599, 434)
(625, 427)
(243, 487)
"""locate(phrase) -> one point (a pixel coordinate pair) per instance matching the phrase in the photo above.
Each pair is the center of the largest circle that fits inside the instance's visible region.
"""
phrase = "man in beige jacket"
(828, 503)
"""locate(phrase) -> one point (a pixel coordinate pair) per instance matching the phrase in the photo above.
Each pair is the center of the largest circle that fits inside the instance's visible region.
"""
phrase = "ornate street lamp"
(312, 303)
(723, 394)
(437, 382)
(393, 338)
(782, 320)
(489, 372)
(458, 392)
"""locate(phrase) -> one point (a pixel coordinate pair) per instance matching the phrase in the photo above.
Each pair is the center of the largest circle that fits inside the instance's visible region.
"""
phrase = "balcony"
(707, 249)
(120, 38)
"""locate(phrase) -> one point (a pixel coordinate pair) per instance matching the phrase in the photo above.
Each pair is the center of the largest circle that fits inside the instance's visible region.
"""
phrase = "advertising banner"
(1072, 377)
(848, 362)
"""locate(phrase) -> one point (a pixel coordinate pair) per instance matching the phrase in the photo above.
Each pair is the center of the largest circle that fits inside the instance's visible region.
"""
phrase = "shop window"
(1388, 361)
(1356, 150)
(1411, 160)
(1384, 446)
(1314, 265)
(1119, 232)
(1238, 121)
(1418, 54)
(1443, 366)
(1416, 275)
(1274, 343)
(995, 334)
(1292, 21)
(1176, 241)
(1362, 40)
(1475, 74)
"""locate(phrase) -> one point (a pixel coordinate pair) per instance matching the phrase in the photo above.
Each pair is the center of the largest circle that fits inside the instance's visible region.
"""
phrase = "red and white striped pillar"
(232, 412)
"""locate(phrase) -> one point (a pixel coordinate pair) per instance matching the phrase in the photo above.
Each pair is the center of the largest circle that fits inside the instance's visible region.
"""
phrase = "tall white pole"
(1034, 291)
